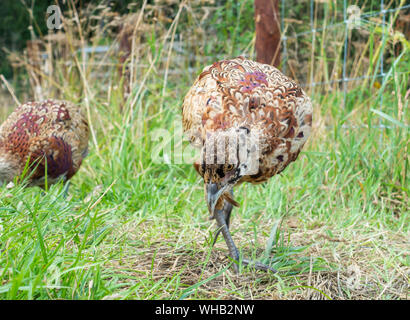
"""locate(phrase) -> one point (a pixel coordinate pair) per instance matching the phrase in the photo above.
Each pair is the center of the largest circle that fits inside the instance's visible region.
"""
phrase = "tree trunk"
(267, 26)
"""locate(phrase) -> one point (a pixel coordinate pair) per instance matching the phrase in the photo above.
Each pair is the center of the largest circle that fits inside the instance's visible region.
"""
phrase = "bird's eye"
(229, 167)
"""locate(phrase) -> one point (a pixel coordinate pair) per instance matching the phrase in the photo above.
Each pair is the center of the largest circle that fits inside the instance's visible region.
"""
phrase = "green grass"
(132, 229)
(335, 223)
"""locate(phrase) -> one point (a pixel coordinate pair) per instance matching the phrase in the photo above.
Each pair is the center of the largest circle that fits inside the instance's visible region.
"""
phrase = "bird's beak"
(213, 193)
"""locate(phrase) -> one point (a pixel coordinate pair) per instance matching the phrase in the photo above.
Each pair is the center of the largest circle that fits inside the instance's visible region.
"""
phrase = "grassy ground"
(335, 223)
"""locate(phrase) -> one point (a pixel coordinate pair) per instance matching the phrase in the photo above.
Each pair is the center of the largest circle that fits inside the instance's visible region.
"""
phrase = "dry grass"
(350, 265)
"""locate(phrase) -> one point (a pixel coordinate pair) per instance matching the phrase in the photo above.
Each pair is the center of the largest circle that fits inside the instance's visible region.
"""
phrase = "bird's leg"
(227, 215)
(222, 218)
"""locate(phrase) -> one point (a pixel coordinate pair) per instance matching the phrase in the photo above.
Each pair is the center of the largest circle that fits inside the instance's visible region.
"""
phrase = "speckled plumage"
(242, 93)
(50, 133)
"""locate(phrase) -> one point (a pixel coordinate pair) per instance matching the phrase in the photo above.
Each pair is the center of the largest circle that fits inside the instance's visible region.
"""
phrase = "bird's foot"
(258, 265)
(255, 265)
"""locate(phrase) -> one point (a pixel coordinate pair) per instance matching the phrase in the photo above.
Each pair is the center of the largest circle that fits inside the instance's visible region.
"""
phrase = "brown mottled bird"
(48, 134)
(250, 121)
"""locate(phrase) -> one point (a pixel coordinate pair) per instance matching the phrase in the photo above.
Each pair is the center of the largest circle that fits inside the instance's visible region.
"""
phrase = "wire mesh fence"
(348, 43)
(327, 45)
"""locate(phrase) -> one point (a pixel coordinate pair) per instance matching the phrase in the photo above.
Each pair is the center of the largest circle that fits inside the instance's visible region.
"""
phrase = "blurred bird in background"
(49, 137)
(250, 121)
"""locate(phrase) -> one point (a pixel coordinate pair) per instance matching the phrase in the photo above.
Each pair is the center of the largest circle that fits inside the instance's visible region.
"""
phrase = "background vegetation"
(335, 223)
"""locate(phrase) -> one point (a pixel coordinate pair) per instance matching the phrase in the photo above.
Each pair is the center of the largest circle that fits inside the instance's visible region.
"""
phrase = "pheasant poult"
(50, 136)
(250, 121)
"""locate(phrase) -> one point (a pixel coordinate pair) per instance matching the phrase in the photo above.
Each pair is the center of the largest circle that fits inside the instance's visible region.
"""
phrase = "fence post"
(267, 28)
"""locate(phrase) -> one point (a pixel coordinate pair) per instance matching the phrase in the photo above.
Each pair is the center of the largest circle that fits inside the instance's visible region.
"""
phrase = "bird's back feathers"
(50, 133)
(241, 93)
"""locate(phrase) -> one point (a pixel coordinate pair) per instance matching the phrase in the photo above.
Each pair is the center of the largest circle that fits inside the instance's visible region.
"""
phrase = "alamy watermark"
(231, 146)
(353, 17)
(54, 18)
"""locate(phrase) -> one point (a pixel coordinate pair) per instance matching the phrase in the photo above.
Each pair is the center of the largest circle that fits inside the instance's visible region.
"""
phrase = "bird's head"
(226, 158)
(219, 179)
